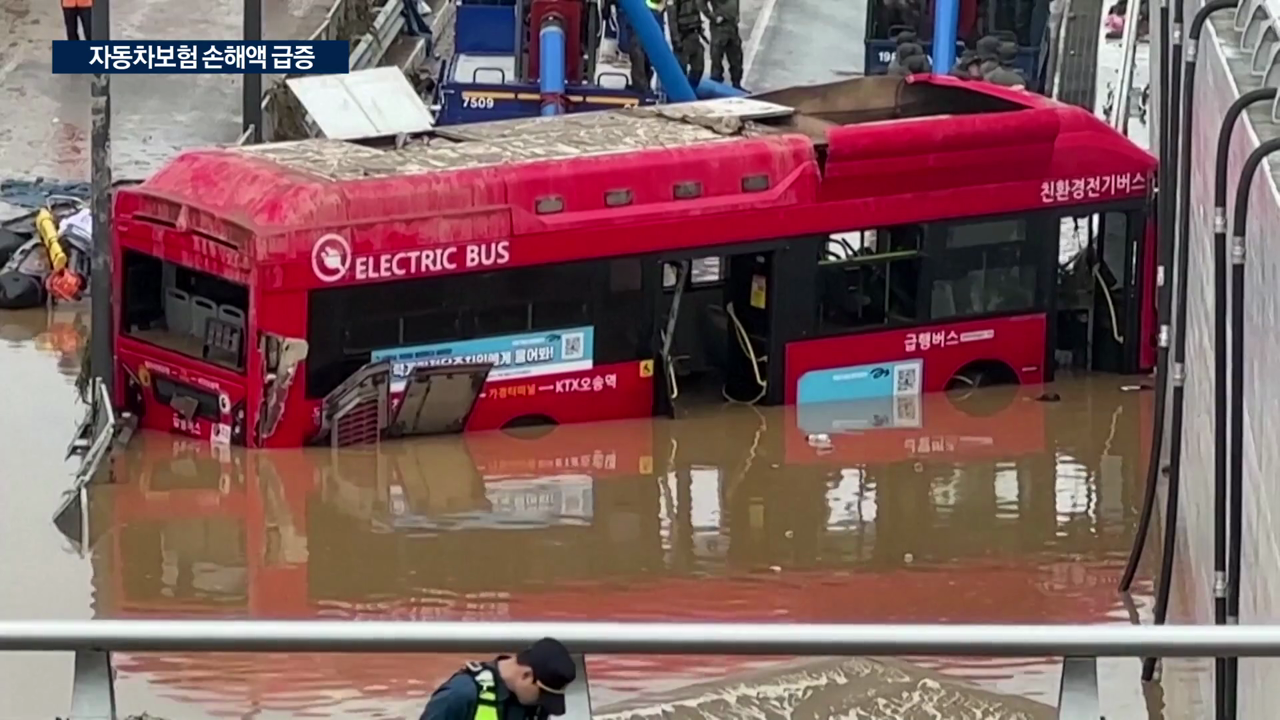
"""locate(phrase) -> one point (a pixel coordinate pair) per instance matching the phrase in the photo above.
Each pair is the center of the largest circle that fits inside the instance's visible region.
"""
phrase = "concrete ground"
(46, 119)
(801, 42)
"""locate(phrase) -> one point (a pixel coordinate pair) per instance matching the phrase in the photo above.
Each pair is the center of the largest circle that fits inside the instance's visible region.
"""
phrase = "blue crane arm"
(658, 51)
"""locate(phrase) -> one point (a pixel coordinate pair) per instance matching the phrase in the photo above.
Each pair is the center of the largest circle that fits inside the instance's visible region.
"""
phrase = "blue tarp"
(33, 193)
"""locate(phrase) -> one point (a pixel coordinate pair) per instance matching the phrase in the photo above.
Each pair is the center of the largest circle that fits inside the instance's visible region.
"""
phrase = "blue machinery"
(551, 63)
(522, 58)
(945, 18)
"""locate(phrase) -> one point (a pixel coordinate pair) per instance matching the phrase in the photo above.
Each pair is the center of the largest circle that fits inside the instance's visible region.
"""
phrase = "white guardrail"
(366, 52)
(93, 641)
(102, 420)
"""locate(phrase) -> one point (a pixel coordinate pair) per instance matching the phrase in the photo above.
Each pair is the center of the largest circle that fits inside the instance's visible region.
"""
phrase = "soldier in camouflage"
(726, 42)
(684, 20)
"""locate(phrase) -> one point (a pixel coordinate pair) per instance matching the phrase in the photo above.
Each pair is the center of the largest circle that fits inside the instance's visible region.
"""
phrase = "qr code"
(571, 346)
(906, 380)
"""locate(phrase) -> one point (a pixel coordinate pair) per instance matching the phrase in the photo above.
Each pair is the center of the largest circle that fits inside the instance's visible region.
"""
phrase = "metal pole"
(1120, 111)
(946, 17)
(642, 638)
(102, 349)
(1167, 201)
(252, 86)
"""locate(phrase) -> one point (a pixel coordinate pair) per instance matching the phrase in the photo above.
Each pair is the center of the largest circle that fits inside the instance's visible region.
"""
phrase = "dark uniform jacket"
(686, 15)
(459, 696)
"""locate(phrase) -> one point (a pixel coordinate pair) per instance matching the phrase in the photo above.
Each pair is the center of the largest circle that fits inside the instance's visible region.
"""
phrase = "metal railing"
(367, 51)
(93, 694)
(387, 26)
(103, 419)
(93, 442)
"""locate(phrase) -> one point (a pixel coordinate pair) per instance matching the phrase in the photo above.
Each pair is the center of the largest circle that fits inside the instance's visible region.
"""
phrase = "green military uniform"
(726, 41)
(641, 65)
(684, 20)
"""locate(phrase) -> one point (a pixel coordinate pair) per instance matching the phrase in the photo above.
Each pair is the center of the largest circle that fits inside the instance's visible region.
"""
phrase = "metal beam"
(643, 638)
(1078, 697)
(251, 87)
(93, 696)
(102, 344)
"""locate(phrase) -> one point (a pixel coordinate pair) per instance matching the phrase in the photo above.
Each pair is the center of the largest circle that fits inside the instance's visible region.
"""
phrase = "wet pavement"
(46, 131)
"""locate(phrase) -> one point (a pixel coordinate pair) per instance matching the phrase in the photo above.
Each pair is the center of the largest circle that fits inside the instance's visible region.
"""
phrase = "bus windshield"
(186, 311)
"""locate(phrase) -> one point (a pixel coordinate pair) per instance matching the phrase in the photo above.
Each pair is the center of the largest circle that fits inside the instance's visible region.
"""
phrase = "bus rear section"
(958, 305)
(183, 319)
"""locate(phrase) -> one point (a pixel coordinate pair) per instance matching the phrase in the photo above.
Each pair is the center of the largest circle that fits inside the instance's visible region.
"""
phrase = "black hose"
(1221, 580)
(1183, 211)
(1235, 492)
(1168, 195)
(1164, 248)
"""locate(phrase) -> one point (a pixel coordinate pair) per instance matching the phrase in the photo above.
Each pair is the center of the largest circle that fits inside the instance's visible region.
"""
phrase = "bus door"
(1100, 318)
(712, 329)
(377, 402)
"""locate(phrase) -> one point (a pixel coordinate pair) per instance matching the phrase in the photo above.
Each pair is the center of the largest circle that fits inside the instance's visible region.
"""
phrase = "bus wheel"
(530, 427)
(963, 387)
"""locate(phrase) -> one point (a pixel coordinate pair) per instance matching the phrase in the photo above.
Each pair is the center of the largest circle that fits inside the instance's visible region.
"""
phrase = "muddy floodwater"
(999, 508)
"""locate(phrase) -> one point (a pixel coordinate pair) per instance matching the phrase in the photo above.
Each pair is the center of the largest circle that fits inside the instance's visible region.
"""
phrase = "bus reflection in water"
(729, 515)
(808, 261)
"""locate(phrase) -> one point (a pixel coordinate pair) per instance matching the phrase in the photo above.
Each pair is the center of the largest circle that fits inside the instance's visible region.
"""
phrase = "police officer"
(641, 67)
(726, 42)
(684, 20)
(530, 685)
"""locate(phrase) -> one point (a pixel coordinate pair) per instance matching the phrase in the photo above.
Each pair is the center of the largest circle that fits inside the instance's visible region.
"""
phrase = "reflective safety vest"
(77, 3)
(487, 697)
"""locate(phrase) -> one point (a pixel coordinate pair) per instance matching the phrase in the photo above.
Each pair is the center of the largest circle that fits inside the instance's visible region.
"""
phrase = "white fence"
(93, 641)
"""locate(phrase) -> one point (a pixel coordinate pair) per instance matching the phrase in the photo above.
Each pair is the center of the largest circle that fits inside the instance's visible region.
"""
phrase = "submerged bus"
(707, 519)
(872, 239)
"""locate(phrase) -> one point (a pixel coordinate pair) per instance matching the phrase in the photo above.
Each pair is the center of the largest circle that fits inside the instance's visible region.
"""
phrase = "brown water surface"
(1004, 509)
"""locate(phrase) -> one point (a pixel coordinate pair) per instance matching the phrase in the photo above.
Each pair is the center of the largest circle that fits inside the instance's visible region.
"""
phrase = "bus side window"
(346, 324)
(869, 277)
(985, 267)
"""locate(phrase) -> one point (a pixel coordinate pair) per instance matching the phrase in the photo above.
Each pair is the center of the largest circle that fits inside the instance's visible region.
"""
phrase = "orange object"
(65, 285)
(77, 3)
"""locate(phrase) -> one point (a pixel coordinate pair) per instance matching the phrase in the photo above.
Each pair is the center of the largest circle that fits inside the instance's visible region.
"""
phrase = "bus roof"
(812, 138)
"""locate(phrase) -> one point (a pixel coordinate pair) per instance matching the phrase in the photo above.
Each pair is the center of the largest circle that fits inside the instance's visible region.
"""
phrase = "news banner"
(200, 57)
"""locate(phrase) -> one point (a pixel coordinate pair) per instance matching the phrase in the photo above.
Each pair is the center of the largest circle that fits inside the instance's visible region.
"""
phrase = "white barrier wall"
(1222, 73)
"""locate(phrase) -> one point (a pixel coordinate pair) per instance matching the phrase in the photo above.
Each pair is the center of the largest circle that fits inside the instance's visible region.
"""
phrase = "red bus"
(865, 241)
(735, 523)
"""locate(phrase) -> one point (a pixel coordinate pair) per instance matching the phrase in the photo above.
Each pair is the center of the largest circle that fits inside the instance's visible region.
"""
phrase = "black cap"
(553, 670)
